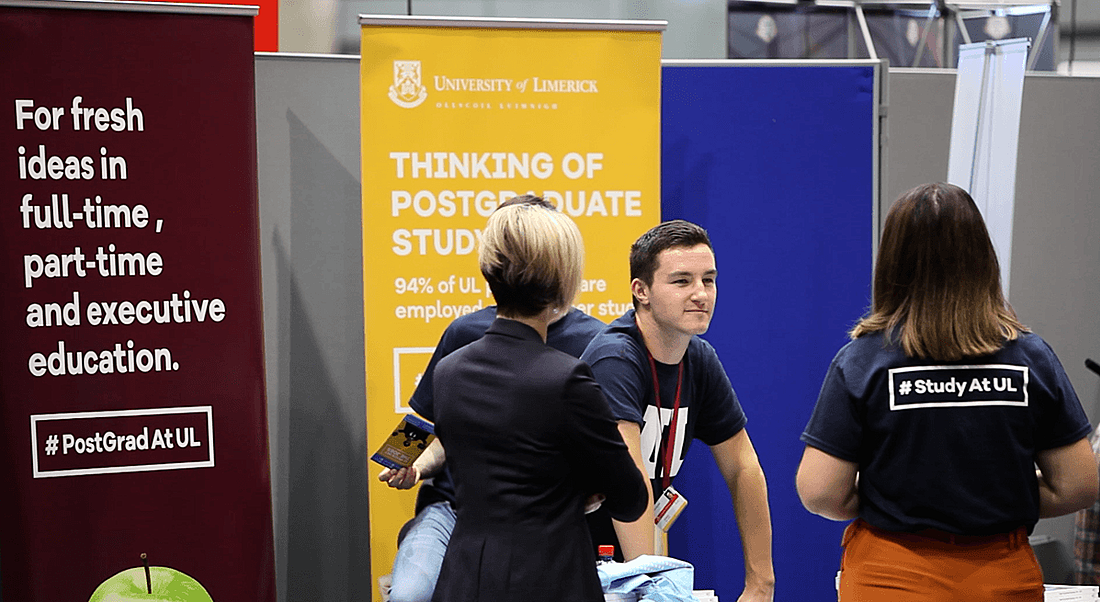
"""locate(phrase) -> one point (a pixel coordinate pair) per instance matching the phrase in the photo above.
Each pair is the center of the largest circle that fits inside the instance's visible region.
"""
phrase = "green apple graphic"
(150, 584)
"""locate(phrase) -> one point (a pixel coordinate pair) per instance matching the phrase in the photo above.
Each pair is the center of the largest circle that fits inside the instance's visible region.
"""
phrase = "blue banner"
(778, 164)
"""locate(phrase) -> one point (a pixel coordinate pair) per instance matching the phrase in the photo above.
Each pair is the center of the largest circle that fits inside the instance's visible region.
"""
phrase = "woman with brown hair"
(931, 421)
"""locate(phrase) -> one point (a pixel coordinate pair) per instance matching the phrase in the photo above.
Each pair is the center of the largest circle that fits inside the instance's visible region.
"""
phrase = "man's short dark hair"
(667, 235)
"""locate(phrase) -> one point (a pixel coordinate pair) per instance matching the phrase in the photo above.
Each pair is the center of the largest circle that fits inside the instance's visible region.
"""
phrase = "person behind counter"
(528, 434)
(667, 387)
(931, 421)
(423, 540)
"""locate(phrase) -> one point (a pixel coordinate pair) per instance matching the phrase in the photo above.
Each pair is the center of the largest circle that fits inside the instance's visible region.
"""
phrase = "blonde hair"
(937, 284)
(532, 257)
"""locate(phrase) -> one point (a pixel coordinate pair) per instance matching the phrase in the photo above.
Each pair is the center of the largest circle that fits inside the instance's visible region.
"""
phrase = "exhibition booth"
(305, 223)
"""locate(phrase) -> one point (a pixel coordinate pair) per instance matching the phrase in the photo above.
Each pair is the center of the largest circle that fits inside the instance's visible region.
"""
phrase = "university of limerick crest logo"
(407, 90)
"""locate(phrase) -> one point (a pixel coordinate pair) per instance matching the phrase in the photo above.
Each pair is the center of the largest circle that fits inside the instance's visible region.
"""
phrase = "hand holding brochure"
(411, 437)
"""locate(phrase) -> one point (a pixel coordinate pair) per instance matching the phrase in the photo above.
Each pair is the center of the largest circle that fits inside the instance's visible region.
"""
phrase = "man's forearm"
(635, 538)
(740, 467)
(749, 491)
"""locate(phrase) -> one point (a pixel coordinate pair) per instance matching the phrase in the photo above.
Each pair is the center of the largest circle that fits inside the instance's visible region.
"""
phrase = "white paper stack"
(705, 595)
(1071, 593)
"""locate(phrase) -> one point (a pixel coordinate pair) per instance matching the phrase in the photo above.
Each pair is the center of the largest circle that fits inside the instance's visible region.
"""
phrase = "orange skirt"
(935, 566)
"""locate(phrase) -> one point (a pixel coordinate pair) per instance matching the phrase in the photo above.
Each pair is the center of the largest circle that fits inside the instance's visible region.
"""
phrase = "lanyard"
(667, 443)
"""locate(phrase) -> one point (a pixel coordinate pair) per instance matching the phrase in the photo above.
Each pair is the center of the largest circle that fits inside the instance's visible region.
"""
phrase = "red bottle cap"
(607, 550)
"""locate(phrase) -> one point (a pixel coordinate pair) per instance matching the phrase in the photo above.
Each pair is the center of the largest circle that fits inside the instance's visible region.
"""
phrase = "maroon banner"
(132, 410)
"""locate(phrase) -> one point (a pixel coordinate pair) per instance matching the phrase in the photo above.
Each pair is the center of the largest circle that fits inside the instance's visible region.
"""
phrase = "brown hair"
(937, 283)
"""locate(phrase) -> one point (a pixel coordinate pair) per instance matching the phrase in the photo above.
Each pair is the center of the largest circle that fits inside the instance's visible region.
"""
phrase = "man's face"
(683, 293)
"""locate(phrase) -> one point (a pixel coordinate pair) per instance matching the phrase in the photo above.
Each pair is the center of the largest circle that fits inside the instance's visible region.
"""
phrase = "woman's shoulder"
(1028, 347)
(1029, 340)
(867, 347)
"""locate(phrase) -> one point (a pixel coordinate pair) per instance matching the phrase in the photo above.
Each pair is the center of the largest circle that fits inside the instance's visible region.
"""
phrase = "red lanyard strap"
(667, 443)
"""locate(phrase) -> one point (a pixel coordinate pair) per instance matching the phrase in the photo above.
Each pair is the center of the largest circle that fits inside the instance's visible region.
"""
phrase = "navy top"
(946, 445)
(709, 410)
(570, 334)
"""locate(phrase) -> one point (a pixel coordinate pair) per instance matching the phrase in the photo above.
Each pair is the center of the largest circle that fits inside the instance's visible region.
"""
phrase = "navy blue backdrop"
(777, 162)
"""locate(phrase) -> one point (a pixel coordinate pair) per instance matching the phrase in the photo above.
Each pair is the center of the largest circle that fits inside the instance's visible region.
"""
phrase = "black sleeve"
(423, 398)
(597, 451)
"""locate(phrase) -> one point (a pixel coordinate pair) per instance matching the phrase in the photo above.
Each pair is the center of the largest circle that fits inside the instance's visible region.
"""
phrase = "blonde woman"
(528, 434)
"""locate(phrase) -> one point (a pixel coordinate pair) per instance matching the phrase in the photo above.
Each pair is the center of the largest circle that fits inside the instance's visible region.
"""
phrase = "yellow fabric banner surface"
(458, 117)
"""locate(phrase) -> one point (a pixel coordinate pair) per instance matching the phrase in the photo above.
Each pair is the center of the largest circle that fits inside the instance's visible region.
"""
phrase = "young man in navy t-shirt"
(666, 387)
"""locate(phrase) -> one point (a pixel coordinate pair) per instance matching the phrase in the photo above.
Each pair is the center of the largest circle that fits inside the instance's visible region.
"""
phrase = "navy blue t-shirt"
(946, 445)
(570, 334)
(709, 410)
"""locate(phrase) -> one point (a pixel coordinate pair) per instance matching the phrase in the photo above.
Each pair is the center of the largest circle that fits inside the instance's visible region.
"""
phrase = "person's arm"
(635, 538)
(1068, 479)
(601, 460)
(461, 332)
(426, 466)
(827, 485)
(740, 467)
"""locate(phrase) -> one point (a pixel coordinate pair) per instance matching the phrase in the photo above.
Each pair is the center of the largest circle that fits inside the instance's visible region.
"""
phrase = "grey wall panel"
(1057, 225)
(311, 251)
(919, 130)
(1056, 230)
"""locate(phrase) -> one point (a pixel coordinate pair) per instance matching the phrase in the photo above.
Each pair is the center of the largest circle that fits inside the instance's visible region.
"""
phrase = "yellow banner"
(458, 117)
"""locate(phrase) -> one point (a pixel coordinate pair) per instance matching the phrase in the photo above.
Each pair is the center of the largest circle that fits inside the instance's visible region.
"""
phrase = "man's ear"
(640, 291)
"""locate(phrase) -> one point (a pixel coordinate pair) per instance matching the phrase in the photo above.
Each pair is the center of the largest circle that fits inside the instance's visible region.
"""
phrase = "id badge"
(668, 508)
